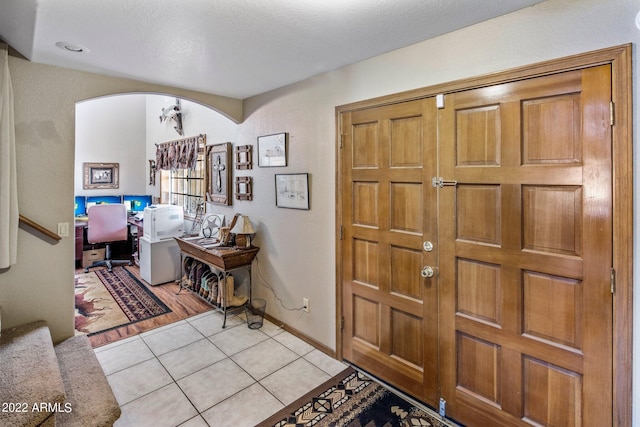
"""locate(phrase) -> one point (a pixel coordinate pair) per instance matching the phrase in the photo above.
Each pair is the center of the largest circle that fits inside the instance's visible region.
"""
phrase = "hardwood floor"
(182, 305)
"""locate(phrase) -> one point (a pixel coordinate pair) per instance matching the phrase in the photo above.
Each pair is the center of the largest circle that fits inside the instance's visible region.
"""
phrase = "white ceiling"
(235, 48)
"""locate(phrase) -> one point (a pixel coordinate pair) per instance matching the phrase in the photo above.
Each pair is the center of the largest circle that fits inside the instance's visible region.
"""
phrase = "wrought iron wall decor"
(152, 172)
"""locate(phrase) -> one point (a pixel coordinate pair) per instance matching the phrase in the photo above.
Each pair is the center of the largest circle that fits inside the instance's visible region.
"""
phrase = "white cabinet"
(159, 261)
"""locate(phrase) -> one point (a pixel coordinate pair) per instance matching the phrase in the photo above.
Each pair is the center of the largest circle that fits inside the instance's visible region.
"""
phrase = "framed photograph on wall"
(272, 150)
(292, 191)
(218, 173)
(244, 159)
(101, 175)
(244, 190)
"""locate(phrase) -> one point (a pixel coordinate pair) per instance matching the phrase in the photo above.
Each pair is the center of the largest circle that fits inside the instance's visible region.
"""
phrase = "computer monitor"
(80, 206)
(136, 203)
(98, 200)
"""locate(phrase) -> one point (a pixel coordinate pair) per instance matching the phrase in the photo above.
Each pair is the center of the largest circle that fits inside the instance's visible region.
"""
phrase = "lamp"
(243, 229)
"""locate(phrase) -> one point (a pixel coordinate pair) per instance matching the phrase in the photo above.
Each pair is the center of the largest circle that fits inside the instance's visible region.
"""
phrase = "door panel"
(515, 327)
(525, 258)
(390, 310)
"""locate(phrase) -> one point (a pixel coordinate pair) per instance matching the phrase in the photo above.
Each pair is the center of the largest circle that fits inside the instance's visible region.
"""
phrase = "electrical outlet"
(305, 304)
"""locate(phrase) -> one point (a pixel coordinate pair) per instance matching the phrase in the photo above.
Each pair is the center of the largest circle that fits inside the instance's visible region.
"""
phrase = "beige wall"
(301, 245)
(112, 129)
(40, 285)
(298, 247)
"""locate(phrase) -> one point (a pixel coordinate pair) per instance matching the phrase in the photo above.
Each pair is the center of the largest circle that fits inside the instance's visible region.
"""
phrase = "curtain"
(180, 154)
(8, 176)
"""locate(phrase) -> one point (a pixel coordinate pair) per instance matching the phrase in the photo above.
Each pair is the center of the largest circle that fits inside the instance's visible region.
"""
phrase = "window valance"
(179, 154)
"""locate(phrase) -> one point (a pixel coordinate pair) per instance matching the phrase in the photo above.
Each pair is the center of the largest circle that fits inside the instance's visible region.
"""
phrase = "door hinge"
(612, 114)
(341, 232)
(342, 323)
(341, 142)
(613, 281)
(440, 101)
(437, 181)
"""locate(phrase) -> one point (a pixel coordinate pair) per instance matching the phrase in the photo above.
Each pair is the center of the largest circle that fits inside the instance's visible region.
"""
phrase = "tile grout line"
(258, 381)
(175, 381)
(228, 357)
(202, 336)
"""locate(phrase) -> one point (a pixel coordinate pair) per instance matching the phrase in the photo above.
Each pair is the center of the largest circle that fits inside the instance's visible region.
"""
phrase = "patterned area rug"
(107, 300)
(352, 399)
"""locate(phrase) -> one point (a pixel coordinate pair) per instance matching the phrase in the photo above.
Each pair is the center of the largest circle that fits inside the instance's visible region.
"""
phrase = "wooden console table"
(223, 259)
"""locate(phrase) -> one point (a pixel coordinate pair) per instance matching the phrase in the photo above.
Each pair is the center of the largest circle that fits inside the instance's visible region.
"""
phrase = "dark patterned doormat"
(355, 400)
(107, 300)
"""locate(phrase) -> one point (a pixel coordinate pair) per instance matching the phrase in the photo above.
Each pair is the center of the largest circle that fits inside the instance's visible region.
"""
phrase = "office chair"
(107, 224)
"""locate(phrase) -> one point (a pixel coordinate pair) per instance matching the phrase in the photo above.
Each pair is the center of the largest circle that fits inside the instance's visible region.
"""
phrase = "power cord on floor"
(267, 285)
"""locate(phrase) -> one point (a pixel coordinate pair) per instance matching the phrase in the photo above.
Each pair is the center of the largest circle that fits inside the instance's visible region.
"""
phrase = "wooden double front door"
(476, 250)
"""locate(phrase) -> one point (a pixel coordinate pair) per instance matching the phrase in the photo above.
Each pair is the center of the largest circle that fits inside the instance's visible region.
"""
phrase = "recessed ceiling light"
(72, 47)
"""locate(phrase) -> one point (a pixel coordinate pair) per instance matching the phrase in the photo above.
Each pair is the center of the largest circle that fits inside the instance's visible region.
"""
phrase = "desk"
(135, 240)
(81, 237)
(225, 260)
(80, 226)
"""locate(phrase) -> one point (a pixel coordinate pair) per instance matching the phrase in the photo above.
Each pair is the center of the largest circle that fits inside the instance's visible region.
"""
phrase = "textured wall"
(301, 245)
(40, 285)
(298, 247)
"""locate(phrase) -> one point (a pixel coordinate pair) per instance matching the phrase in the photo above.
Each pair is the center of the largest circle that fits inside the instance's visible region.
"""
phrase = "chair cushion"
(107, 223)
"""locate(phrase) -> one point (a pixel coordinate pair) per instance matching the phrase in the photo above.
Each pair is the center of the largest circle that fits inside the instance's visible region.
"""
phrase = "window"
(184, 187)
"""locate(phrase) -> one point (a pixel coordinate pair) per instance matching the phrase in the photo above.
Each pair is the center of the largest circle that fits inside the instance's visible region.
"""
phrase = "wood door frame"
(622, 148)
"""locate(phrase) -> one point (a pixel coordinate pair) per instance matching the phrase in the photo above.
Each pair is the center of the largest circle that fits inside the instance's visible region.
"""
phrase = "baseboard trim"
(293, 331)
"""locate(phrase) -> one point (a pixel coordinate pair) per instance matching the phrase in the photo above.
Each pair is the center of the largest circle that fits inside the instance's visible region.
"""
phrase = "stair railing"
(32, 224)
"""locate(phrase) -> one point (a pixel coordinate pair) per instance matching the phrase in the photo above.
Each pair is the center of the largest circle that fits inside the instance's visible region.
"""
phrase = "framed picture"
(292, 190)
(101, 175)
(272, 150)
(244, 189)
(218, 173)
(244, 156)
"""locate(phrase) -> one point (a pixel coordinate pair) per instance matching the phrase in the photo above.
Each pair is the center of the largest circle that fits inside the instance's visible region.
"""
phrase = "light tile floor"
(194, 373)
